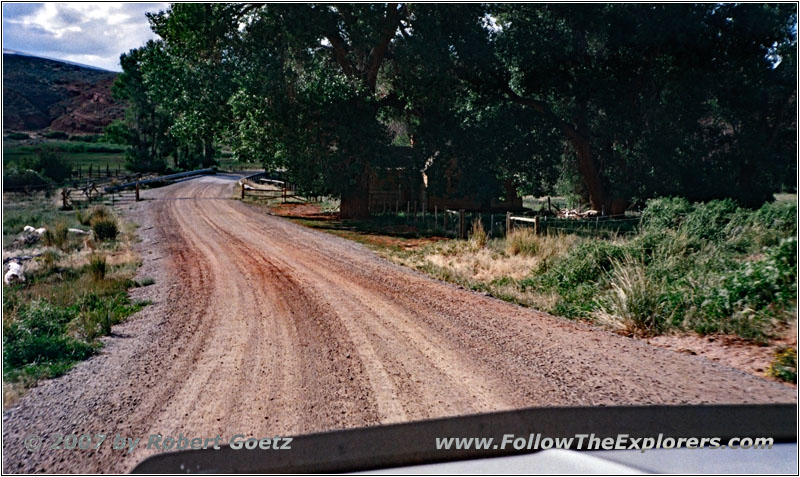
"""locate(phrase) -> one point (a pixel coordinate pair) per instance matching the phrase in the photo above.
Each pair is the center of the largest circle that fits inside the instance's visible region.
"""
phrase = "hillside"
(41, 93)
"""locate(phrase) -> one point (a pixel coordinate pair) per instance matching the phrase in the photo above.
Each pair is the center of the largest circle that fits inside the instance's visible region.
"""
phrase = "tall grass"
(635, 302)
(478, 235)
(710, 268)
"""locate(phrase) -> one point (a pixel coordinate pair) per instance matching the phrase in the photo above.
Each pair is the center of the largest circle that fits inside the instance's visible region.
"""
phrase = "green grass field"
(78, 154)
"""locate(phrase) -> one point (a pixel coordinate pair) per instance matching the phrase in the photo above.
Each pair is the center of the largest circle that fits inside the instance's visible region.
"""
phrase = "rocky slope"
(40, 93)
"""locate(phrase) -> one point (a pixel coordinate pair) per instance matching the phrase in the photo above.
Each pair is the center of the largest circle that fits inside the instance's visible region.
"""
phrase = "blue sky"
(91, 33)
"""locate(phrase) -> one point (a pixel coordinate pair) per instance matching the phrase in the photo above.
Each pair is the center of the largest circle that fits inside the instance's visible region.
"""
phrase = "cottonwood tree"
(657, 99)
(146, 125)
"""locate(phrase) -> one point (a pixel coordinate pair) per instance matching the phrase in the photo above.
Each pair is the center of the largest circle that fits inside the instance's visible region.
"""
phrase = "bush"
(784, 367)
(56, 135)
(16, 178)
(49, 162)
(57, 236)
(99, 212)
(105, 228)
(17, 136)
(97, 266)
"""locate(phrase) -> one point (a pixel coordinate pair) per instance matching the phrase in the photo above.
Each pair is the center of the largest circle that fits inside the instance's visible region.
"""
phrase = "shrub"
(635, 301)
(57, 236)
(56, 135)
(99, 212)
(105, 228)
(97, 266)
(17, 136)
(478, 235)
(784, 367)
(50, 162)
(16, 178)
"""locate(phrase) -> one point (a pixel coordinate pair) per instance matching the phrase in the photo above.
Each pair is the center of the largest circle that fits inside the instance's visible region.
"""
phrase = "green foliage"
(18, 136)
(97, 266)
(44, 337)
(712, 268)
(97, 212)
(38, 336)
(56, 135)
(105, 228)
(17, 178)
(49, 162)
(784, 367)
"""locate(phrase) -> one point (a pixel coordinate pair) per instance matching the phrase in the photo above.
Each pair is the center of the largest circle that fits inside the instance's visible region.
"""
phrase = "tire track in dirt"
(262, 327)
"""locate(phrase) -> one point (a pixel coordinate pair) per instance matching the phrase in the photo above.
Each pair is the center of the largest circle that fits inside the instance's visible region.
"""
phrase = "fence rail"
(268, 185)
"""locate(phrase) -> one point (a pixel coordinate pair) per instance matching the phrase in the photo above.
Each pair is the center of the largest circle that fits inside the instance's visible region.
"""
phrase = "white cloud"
(92, 33)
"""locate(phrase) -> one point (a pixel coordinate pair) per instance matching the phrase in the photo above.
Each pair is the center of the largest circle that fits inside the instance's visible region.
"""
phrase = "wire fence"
(460, 223)
(443, 222)
(599, 226)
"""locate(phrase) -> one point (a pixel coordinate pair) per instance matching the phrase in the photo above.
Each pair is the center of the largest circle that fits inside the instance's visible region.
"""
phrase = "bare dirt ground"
(263, 327)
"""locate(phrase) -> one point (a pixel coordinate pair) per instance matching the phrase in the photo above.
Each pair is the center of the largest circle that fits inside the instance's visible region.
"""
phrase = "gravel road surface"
(261, 327)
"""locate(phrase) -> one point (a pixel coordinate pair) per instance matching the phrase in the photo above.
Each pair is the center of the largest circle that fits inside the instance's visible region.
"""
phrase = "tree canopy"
(616, 103)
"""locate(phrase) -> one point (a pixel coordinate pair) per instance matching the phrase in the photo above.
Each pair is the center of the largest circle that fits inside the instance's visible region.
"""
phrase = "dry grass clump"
(523, 241)
(478, 236)
(635, 302)
(57, 236)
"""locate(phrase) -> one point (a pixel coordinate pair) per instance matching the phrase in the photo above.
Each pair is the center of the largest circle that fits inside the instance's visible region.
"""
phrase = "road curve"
(262, 327)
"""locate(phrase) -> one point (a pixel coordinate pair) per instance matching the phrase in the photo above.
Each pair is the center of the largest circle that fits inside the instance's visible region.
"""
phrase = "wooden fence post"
(508, 223)
(536, 224)
(137, 191)
(242, 190)
(435, 216)
(64, 198)
(462, 229)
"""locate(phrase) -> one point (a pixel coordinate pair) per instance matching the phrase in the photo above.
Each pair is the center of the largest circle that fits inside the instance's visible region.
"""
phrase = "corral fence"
(112, 192)
(269, 185)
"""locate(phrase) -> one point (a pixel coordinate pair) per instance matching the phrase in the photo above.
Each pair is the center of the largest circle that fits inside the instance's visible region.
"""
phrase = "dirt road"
(263, 327)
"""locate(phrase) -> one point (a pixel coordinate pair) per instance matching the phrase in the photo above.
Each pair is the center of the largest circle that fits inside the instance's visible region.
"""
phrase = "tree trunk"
(590, 173)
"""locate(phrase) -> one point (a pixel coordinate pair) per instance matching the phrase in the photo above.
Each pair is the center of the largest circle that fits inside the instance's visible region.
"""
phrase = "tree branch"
(391, 22)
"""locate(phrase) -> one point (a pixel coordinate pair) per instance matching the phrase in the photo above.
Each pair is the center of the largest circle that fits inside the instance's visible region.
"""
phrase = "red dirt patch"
(730, 350)
(303, 211)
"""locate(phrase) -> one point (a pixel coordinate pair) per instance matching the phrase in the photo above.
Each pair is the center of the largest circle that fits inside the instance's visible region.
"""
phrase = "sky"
(94, 34)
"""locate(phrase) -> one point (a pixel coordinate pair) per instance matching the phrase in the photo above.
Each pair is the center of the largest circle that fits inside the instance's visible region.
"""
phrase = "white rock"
(14, 273)
(79, 232)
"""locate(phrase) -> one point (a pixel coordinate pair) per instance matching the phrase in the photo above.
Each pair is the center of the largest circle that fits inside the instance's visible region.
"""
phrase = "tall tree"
(146, 128)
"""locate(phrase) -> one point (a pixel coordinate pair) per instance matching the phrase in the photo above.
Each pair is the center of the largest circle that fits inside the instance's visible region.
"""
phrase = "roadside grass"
(74, 292)
(711, 268)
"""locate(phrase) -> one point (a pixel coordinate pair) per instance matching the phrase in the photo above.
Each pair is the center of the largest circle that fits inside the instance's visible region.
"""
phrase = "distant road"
(263, 327)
